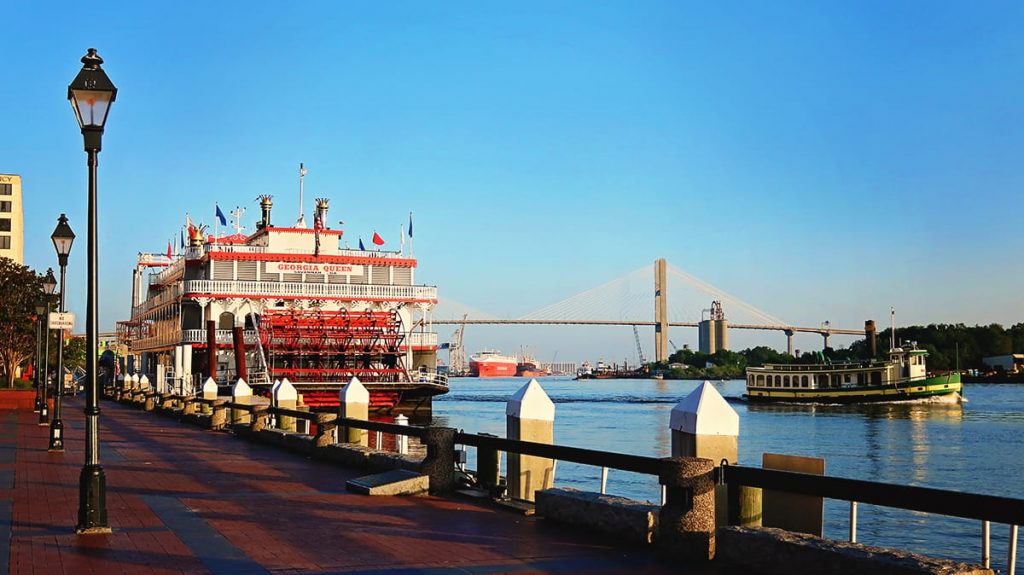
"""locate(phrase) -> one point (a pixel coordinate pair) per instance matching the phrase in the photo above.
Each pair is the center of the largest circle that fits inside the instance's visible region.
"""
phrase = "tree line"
(949, 346)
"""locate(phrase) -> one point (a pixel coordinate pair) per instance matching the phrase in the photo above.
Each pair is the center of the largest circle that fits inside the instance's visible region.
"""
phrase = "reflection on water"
(977, 446)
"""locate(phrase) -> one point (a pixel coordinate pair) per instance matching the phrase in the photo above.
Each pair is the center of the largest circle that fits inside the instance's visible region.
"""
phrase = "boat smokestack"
(320, 217)
(871, 336)
(266, 203)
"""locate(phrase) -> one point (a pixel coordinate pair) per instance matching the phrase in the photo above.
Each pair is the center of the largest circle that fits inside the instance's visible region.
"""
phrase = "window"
(5, 242)
(5, 207)
(803, 381)
(5, 224)
(6, 189)
(785, 381)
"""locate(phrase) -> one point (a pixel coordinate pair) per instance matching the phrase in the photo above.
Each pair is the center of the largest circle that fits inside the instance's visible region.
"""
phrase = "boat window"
(785, 381)
(760, 380)
(846, 378)
(876, 377)
(803, 381)
(860, 378)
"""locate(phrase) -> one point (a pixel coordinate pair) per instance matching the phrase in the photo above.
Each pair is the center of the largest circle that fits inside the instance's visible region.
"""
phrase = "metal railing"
(985, 508)
(224, 336)
(177, 267)
(170, 294)
(309, 290)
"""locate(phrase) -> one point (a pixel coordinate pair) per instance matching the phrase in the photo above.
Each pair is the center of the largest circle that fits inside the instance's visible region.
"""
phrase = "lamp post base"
(44, 415)
(92, 501)
(56, 436)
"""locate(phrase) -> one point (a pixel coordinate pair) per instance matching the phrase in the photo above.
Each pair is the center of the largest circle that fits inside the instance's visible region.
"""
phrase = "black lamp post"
(49, 285)
(62, 238)
(91, 93)
(40, 310)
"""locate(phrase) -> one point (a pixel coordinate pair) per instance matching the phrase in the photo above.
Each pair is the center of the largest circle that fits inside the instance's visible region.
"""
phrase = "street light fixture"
(40, 310)
(62, 238)
(49, 285)
(91, 93)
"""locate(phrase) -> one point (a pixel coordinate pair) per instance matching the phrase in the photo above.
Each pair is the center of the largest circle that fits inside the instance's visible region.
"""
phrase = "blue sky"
(818, 160)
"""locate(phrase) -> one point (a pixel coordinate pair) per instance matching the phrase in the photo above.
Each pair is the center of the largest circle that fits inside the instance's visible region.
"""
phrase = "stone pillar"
(285, 397)
(439, 464)
(354, 403)
(704, 425)
(529, 416)
(241, 393)
(686, 524)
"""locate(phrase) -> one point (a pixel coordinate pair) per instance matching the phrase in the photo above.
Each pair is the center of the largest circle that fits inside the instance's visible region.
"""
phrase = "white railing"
(421, 339)
(194, 253)
(429, 377)
(177, 267)
(156, 341)
(309, 290)
(168, 295)
(224, 336)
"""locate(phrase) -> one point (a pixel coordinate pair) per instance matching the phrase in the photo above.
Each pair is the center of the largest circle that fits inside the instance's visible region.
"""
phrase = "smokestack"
(869, 334)
(320, 216)
(266, 202)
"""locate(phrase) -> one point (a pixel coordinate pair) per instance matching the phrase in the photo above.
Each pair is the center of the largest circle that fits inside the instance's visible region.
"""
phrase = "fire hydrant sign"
(64, 320)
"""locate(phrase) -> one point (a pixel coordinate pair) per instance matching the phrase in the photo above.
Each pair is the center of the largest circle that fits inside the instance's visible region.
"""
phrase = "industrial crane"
(639, 350)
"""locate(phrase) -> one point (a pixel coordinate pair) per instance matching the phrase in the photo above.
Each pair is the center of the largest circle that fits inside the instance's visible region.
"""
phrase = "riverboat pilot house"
(287, 303)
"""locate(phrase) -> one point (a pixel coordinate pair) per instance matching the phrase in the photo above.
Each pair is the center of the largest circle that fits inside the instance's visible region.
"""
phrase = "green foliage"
(20, 291)
(74, 353)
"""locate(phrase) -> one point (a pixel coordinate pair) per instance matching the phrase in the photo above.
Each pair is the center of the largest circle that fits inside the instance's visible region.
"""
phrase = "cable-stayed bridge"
(631, 298)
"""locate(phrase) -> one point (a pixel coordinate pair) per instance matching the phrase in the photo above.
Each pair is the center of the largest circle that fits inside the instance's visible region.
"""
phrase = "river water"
(974, 447)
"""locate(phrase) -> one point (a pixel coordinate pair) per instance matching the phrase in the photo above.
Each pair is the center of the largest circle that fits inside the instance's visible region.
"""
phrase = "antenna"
(237, 214)
(301, 222)
(892, 334)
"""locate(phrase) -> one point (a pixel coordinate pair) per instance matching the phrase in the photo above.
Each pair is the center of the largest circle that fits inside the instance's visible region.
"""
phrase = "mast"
(892, 331)
(301, 222)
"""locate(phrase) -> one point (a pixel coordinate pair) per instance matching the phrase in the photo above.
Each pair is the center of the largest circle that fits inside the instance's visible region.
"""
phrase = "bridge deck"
(183, 500)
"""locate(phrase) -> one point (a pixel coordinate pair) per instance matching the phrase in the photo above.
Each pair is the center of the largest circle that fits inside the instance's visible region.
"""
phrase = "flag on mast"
(401, 236)
(168, 249)
(410, 234)
(377, 240)
(361, 246)
(220, 216)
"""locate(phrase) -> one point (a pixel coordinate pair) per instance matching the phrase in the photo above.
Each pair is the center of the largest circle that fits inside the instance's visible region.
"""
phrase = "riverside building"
(12, 224)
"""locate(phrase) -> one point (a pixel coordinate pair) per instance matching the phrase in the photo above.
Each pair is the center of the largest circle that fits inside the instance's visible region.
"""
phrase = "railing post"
(1011, 554)
(439, 463)
(986, 555)
(260, 418)
(218, 414)
(353, 403)
(853, 522)
(326, 430)
(686, 523)
(604, 480)
(209, 392)
(241, 393)
(402, 441)
(285, 397)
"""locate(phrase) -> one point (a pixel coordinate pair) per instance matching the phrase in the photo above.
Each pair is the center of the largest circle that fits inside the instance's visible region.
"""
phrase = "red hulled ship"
(491, 363)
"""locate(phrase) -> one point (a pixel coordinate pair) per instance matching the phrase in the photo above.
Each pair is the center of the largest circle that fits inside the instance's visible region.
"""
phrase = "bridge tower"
(660, 311)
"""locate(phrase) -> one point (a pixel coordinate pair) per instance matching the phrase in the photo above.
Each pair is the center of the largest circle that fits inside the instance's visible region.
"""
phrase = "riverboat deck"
(183, 500)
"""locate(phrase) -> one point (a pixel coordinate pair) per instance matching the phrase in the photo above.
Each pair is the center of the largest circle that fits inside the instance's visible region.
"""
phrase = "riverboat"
(286, 303)
(902, 377)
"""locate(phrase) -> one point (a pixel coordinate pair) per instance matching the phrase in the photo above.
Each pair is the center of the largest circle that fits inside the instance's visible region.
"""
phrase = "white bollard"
(143, 383)
(285, 397)
(354, 403)
(210, 389)
(241, 393)
(530, 416)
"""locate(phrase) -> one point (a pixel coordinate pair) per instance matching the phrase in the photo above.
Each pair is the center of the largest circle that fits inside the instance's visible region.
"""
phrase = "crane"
(639, 350)
(456, 353)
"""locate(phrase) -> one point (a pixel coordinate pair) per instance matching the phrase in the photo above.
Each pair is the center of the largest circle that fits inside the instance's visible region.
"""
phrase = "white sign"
(64, 320)
(314, 268)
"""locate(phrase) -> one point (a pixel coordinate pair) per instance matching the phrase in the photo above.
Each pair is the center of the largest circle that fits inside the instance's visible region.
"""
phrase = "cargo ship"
(491, 363)
(285, 302)
(528, 366)
(902, 377)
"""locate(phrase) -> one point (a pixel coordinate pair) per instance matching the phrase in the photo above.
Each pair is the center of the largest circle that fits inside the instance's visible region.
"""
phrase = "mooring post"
(686, 524)
(439, 463)
(209, 393)
(704, 425)
(285, 397)
(326, 430)
(241, 393)
(354, 403)
(530, 416)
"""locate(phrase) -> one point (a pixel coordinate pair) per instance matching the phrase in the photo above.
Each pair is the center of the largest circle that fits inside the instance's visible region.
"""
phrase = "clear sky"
(820, 160)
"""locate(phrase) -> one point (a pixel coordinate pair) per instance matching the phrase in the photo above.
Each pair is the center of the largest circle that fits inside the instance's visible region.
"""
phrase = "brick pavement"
(185, 500)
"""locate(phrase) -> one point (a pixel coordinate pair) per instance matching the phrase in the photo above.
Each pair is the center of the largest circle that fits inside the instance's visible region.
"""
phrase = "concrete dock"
(184, 500)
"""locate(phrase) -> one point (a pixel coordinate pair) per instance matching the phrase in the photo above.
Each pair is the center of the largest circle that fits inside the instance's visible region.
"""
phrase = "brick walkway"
(183, 500)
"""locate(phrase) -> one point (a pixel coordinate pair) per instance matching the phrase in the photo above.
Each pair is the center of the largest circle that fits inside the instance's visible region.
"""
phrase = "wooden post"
(211, 349)
(529, 416)
(285, 397)
(354, 403)
(241, 393)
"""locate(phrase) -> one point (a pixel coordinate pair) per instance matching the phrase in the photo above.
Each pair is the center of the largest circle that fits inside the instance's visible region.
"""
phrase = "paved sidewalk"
(184, 500)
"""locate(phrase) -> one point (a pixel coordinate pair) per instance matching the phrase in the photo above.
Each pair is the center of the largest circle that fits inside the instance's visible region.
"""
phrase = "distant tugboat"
(903, 377)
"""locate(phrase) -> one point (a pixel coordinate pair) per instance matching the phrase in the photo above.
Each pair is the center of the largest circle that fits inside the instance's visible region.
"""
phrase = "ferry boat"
(286, 302)
(900, 378)
(491, 363)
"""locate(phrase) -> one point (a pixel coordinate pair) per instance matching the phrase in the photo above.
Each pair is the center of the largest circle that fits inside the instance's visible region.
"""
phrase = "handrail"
(621, 461)
(914, 498)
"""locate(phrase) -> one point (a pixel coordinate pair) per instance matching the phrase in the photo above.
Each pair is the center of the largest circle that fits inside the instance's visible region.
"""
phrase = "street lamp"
(49, 285)
(40, 310)
(91, 93)
(62, 238)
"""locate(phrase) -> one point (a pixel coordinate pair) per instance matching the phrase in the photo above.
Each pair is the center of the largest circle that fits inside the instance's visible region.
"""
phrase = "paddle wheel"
(330, 347)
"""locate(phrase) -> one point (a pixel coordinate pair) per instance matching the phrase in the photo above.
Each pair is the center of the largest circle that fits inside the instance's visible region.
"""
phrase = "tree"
(20, 291)
(74, 352)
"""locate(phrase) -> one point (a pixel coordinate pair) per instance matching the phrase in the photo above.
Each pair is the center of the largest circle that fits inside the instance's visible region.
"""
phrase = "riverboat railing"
(309, 290)
(170, 295)
(985, 508)
(195, 253)
(177, 267)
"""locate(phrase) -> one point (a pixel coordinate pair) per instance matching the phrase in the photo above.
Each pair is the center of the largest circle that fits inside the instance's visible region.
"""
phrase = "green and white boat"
(902, 377)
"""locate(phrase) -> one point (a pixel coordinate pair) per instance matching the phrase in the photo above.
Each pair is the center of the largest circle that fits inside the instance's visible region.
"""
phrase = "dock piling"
(530, 416)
